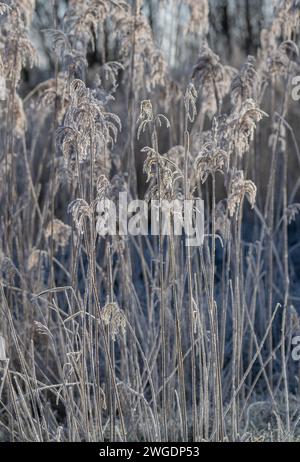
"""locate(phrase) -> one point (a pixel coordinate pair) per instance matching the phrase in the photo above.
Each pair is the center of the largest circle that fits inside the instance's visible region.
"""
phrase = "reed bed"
(140, 337)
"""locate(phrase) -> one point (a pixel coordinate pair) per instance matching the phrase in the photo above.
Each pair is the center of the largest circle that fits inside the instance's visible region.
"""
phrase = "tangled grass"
(141, 338)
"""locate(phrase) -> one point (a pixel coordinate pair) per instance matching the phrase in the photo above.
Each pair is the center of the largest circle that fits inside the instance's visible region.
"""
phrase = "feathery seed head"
(239, 189)
(244, 123)
(115, 318)
(59, 231)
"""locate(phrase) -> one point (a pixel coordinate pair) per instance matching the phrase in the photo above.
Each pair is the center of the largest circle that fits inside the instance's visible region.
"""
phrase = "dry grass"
(141, 338)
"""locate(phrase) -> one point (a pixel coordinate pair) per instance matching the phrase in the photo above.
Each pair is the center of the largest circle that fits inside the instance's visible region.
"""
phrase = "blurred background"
(234, 32)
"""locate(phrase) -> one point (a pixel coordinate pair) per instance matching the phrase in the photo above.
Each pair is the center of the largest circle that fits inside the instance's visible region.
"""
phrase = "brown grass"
(140, 338)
